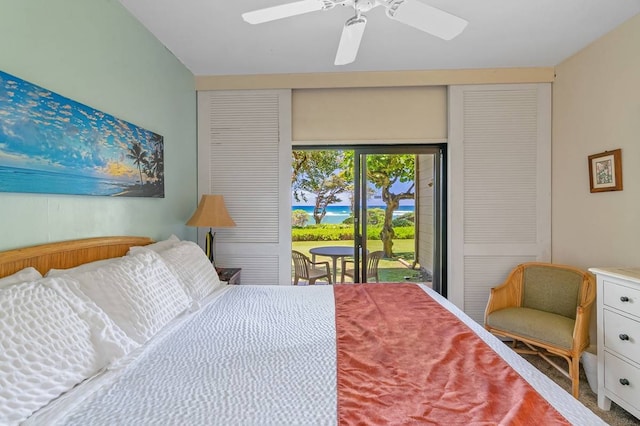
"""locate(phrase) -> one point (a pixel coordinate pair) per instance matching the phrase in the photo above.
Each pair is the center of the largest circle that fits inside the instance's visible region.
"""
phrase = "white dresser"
(619, 338)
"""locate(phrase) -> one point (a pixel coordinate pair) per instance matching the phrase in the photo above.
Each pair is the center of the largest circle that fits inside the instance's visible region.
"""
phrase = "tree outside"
(325, 177)
(319, 173)
(383, 171)
(299, 218)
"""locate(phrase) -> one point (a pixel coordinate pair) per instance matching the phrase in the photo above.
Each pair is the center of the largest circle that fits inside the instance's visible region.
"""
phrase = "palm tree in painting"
(139, 157)
(156, 162)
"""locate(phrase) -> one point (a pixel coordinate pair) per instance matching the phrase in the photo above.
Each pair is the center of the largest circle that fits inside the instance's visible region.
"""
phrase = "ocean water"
(336, 214)
(14, 179)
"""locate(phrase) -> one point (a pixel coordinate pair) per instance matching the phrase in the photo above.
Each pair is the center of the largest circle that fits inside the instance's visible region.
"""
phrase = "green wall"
(95, 53)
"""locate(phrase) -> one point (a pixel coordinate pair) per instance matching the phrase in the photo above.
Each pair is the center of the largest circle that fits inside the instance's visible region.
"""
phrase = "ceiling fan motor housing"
(365, 5)
(358, 5)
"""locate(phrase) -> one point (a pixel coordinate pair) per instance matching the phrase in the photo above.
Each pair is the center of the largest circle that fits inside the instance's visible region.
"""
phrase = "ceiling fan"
(410, 12)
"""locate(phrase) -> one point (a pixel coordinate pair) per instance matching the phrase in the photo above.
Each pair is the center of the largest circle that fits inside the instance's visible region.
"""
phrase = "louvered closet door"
(500, 186)
(244, 153)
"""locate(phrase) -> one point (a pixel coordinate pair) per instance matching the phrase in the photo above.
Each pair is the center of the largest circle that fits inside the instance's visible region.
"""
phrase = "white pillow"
(138, 292)
(26, 274)
(157, 246)
(193, 269)
(51, 340)
(91, 266)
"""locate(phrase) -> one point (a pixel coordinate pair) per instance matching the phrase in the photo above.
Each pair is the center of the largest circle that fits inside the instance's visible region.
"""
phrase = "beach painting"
(54, 145)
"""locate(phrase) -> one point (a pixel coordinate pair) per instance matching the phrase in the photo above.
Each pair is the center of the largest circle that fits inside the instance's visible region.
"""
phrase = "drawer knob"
(624, 337)
(624, 299)
(624, 382)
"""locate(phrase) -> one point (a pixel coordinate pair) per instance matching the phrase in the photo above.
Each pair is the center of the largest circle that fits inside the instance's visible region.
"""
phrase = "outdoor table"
(334, 252)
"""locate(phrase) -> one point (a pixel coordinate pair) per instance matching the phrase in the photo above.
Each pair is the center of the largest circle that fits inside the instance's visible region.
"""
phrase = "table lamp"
(212, 213)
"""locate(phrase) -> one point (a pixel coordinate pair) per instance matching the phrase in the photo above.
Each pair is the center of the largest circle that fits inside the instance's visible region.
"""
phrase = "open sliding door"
(499, 186)
(244, 154)
(428, 188)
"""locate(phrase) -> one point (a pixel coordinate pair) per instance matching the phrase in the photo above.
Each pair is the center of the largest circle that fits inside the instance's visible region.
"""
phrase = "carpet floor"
(615, 417)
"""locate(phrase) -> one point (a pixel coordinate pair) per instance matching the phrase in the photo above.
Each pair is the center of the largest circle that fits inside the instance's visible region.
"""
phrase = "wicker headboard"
(67, 254)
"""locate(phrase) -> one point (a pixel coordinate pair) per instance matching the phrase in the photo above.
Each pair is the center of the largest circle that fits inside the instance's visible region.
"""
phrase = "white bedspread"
(254, 355)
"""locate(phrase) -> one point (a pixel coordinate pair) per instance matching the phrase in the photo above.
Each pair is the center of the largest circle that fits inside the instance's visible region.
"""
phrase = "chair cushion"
(547, 327)
(552, 290)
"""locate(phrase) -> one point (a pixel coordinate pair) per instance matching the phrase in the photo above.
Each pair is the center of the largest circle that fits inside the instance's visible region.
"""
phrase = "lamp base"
(209, 246)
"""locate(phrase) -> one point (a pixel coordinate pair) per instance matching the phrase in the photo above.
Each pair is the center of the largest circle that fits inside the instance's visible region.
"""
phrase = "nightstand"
(229, 276)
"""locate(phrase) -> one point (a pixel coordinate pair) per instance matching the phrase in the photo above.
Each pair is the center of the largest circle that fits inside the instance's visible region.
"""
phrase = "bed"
(148, 335)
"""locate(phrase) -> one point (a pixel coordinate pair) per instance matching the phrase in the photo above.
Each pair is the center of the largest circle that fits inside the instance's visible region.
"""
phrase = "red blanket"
(404, 359)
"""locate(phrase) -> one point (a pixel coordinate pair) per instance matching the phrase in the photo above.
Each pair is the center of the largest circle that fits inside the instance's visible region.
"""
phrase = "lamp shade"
(212, 213)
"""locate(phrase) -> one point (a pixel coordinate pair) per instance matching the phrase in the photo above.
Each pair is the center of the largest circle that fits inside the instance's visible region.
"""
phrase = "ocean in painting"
(336, 214)
(14, 179)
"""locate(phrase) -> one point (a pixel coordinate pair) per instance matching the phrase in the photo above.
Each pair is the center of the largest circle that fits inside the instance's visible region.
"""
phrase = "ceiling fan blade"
(350, 40)
(283, 11)
(426, 18)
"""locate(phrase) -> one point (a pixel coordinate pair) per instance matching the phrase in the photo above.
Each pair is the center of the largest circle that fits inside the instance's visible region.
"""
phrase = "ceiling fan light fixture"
(350, 40)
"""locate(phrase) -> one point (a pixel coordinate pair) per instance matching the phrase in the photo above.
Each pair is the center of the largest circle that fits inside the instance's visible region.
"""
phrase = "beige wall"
(596, 107)
(370, 114)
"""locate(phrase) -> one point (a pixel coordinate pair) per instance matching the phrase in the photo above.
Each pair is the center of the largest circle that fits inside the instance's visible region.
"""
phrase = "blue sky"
(42, 130)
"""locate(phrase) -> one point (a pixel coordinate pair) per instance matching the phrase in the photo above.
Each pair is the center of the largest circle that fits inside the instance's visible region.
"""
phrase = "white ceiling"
(210, 38)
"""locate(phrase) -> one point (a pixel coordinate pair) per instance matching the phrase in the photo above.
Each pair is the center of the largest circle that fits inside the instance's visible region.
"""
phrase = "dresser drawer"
(621, 297)
(622, 335)
(617, 370)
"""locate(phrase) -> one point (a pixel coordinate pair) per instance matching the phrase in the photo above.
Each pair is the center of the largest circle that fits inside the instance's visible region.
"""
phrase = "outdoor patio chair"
(372, 267)
(307, 270)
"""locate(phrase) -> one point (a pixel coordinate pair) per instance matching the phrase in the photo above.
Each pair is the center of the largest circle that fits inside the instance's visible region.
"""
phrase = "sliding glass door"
(386, 203)
(399, 214)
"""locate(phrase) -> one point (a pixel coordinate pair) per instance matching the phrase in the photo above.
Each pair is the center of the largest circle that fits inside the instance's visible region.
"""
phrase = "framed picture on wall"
(605, 171)
(51, 144)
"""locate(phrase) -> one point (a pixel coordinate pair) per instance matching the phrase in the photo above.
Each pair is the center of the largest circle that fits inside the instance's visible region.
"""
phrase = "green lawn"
(390, 270)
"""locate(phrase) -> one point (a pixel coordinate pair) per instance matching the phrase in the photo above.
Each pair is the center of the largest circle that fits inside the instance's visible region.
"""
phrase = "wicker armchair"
(547, 307)
(305, 269)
